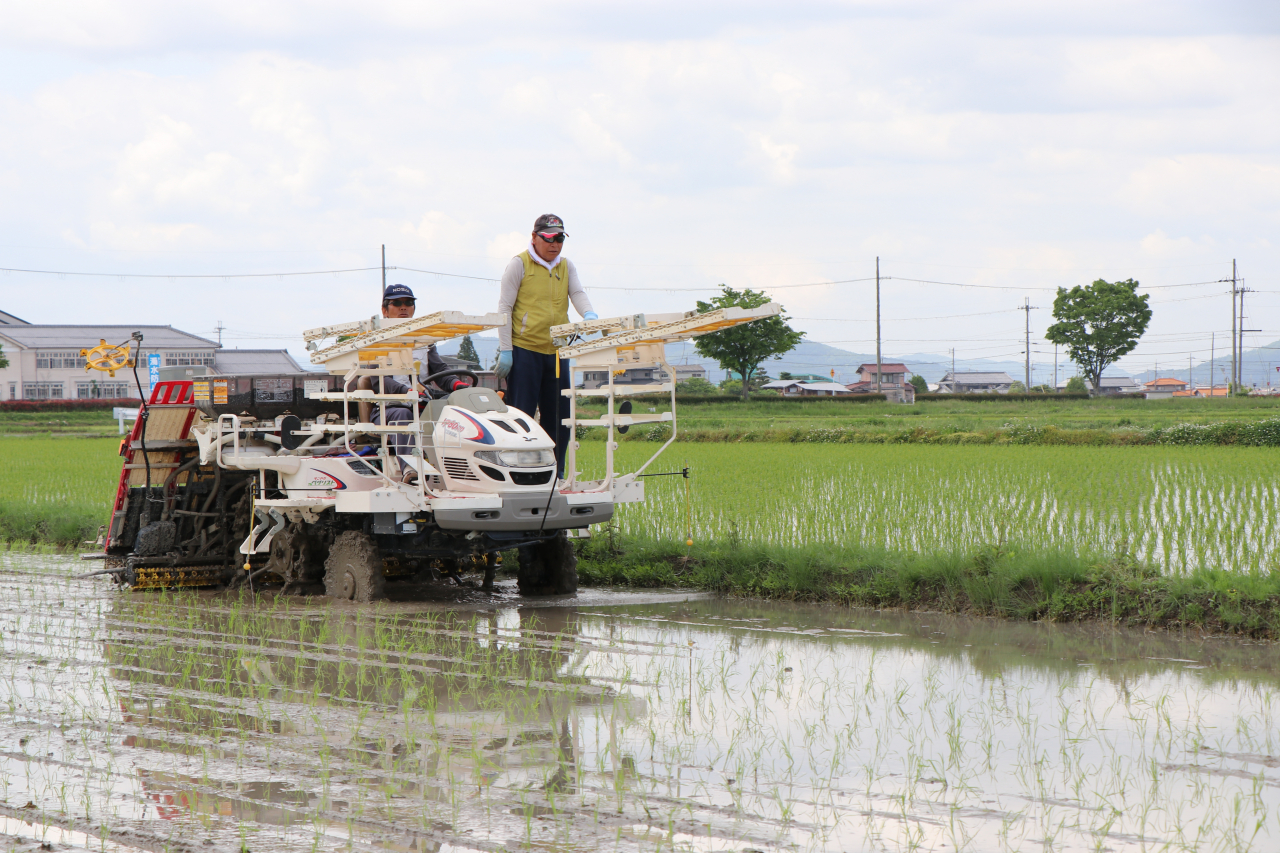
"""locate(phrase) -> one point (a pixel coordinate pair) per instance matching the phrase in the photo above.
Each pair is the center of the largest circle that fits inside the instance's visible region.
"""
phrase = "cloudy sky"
(1016, 146)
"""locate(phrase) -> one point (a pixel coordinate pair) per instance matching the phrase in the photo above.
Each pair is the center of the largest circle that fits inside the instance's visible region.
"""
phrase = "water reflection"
(289, 724)
(345, 717)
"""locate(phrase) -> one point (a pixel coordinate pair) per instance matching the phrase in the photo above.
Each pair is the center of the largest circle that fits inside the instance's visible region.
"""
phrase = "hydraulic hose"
(143, 415)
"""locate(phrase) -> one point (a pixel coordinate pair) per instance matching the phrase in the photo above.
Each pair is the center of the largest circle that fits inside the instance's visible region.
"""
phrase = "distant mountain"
(1259, 367)
(811, 357)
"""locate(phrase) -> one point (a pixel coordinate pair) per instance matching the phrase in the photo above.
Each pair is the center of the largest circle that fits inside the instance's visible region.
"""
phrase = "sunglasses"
(402, 303)
(552, 238)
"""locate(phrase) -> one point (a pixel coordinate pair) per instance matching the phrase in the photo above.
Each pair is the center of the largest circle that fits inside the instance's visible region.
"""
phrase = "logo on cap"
(549, 222)
(397, 291)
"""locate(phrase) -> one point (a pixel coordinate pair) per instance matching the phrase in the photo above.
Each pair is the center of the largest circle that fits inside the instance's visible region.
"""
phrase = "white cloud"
(1029, 145)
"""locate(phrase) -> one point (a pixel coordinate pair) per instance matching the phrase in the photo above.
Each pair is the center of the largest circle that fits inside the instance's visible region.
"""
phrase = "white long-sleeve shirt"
(514, 274)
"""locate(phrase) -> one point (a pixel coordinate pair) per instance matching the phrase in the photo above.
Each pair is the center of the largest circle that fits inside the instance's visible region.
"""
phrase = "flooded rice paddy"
(613, 721)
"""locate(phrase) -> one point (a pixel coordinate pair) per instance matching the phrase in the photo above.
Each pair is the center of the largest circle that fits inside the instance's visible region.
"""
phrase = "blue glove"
(504, 364)
(591, 315)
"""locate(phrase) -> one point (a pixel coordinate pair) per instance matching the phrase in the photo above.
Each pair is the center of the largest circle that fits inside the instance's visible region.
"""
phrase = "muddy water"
(613, 721)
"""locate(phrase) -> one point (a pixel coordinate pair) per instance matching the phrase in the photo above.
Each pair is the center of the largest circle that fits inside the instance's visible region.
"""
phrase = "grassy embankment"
(995, 420)
(1012, 582)
(1098, 422)
(93, 423)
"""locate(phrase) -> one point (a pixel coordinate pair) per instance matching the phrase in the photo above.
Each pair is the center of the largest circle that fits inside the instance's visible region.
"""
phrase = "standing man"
(537, 287)
(398, 303)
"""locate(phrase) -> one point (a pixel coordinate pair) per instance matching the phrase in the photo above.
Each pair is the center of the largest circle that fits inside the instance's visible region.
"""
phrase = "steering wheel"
(456, 371)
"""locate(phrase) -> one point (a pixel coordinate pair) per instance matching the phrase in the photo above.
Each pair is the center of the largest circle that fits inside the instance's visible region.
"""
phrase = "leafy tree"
(467, 351)
(1041, 389)
(696, 385)
(4, 361)
(919, 383)
(743, 348)
(1016, 387)
(784, 375)
(1075, 385)
(1099, 323)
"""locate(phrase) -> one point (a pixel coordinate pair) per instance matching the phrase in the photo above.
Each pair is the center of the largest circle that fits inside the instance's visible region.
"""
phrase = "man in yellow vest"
(537, 286)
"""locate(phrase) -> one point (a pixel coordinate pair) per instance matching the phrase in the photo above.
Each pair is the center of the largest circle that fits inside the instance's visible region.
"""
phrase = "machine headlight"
(518, 458)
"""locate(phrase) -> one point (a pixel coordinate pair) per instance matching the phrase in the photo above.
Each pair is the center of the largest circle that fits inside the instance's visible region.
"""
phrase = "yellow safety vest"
(543, 302)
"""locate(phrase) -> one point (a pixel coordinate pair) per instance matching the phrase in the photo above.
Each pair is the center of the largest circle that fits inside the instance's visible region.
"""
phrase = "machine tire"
(548, 568)
(353, 570)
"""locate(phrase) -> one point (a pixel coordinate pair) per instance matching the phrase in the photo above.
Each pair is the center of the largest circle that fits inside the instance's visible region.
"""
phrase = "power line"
(189, 275)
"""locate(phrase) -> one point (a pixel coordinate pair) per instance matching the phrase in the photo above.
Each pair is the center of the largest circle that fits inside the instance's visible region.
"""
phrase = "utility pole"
(953, 368)
(1055, 368)
(1213, 347)
(1191, 380)
(218, 328)
(384, 272)
(1232, 383)
(877, 324)
(1028, 307)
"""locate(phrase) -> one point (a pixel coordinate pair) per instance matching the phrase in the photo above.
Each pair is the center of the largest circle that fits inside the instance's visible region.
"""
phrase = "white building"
(1110, 385)
(45, 361)
(794, 388)
(643, 375)
(975, 382)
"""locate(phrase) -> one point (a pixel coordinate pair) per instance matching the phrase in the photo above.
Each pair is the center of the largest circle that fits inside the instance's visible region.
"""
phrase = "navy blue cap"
(397, 291)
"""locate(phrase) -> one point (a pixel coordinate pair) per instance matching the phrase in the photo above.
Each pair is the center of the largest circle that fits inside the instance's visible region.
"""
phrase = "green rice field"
(56, 490)
(1178, 508)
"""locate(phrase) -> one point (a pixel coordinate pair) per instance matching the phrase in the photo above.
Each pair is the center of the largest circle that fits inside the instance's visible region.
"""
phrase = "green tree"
(784, 375)
(918, 381)
(742, 348)
(696, 385)
(1099, 323)
(1016, 387)
(467, 351)
(1075, 385)
(4, 361)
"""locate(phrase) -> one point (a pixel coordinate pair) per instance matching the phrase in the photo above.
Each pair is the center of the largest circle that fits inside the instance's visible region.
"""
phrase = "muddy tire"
(353, 570)
(548, 568)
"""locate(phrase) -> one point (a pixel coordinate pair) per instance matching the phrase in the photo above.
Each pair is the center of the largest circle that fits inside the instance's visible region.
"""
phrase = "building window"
(13, 390)
(65, 359)
(188, 359)
(42, 390)
(95, 390)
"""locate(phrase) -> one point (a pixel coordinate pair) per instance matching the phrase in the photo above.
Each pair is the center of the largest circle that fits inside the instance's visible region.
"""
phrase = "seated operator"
(398, 303)
(537, 286)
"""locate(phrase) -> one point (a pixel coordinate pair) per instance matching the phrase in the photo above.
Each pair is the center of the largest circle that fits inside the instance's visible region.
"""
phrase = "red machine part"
(170, 394)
